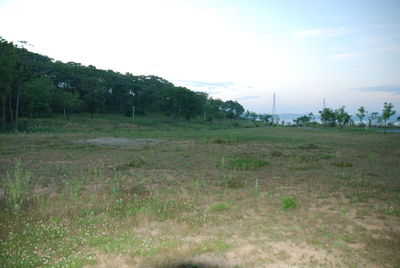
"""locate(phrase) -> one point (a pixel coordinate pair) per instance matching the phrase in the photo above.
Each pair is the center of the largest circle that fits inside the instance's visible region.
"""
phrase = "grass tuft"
(220, 206)
(288, 203)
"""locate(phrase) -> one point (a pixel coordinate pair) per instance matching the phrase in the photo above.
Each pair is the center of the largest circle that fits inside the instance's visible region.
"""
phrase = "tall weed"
(17, 186)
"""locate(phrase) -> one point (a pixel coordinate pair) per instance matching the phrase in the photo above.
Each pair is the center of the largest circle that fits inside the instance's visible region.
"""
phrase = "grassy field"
(203, 195)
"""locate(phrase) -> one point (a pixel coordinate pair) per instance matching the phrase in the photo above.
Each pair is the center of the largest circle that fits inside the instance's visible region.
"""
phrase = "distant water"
(289, 117)
(389, 130)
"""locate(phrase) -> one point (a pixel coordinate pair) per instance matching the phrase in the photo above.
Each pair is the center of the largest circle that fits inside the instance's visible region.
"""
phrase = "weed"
(310, 146)
(156, 207)
(196, 185)
(135, 163)
(17, 186)
(288, 203)
(256, 188)
(342, 164)
(232, 181)
(220, 206)
(117, 185)
(215, 245)
(276, 153)
(246, 163)
(223, 141)
(75, 188)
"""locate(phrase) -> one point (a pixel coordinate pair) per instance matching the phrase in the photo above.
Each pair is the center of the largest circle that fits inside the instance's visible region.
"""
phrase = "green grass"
(243, 164)
(288, 203)
(220, 206)
(208, 192)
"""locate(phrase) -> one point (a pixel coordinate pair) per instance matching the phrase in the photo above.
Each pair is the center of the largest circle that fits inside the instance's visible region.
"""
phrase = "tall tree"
(66, 101)
(93, 94)
(7, 66)
(342, 117)
(328, 117)
(37, 96)
(361, 114)
(387, 112)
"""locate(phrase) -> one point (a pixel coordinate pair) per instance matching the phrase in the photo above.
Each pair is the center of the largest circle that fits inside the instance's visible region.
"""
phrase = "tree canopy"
(33, 85)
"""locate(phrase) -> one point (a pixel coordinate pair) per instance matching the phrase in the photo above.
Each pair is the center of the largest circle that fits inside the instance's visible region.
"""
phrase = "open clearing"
(201, 197)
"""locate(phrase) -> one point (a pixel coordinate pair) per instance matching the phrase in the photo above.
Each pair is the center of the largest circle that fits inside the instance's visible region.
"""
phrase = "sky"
(346, 51)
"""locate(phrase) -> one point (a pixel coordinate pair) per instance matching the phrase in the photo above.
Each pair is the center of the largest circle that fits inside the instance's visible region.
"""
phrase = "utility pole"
(132, 93)
(274, 106)
(274, 117)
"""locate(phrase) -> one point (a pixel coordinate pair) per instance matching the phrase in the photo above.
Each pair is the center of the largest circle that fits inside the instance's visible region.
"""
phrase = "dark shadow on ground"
(190, 265)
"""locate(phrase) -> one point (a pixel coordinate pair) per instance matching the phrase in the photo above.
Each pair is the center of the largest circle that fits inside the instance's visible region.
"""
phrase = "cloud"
(248, 98)
(331, 18)
(387, 88)
(345, 56)
(322, 32)
(206, 84)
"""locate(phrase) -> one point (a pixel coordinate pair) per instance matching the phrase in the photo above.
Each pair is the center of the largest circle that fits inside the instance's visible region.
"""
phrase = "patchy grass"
(210, 195)
(244, 164)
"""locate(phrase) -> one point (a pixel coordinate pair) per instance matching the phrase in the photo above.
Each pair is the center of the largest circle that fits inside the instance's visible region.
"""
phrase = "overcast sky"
(345, 51)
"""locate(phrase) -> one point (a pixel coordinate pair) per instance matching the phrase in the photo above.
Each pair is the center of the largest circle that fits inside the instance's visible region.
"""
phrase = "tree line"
(33, 85)
(341, 118)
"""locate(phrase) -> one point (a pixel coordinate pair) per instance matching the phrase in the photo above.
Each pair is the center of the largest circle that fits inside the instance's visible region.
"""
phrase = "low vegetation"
(203, 196)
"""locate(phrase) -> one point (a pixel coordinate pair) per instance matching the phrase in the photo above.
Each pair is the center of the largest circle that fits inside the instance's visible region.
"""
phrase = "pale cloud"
(205, 84)
(345, 56)
(395, 89)
(322, 32)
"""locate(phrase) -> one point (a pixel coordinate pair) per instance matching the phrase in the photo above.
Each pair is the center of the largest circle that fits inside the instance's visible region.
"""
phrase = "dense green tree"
(14, 73)
(372, 118)
(37, 96)
(328, 117)
(305, 119)
(387, 112)
(8, 62)
(87, 89)
(266, 118)
(342, 117)
(66, 101)
(233, 109)
(93, 94)
(361, 114)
